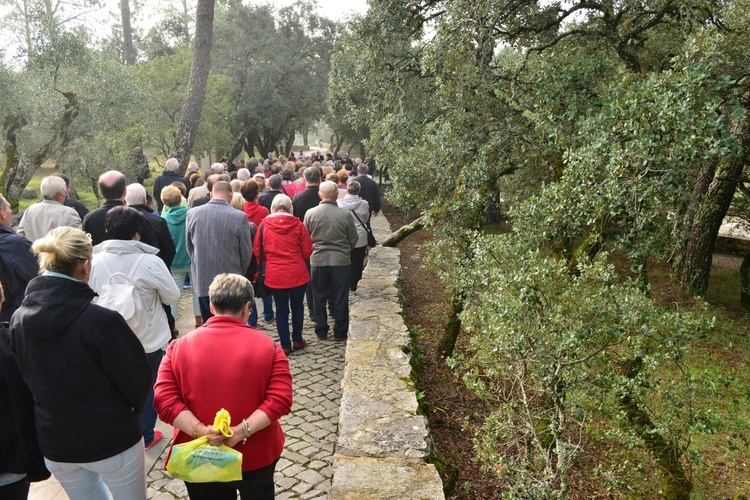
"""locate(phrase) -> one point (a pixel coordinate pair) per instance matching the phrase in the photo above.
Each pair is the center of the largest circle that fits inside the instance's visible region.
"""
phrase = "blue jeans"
(148, 417)
(284, 297)
(331, 283)
(267, 311)
(124, 474)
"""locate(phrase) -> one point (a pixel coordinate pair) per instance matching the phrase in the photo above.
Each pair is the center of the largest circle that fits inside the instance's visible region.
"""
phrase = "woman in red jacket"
(255, 213)
(227, 364)
(286, 246)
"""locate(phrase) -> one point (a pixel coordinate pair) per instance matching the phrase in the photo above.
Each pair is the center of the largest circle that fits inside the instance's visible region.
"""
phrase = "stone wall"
(383, 443)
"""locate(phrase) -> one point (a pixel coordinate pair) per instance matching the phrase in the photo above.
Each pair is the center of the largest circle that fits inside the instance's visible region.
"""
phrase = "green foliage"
(165, 80)
(548, 348)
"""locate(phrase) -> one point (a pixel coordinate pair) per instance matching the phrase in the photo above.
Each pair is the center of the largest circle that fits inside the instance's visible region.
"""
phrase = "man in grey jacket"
(333, 236)
(219, 239)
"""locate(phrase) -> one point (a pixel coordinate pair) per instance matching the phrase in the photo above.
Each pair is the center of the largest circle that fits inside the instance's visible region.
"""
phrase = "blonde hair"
(236, 185)
(230, 293)
(171, 196)
(343, 175)
(238, 201)
(62, 248)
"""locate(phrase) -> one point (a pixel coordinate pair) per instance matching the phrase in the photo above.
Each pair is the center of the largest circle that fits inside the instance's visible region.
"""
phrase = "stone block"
(369, 478)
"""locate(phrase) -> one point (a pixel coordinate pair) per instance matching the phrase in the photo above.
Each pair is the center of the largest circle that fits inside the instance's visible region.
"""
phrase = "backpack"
(120, 294)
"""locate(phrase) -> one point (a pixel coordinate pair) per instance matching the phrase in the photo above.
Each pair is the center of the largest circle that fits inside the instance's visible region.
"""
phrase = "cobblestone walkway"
(305, 468)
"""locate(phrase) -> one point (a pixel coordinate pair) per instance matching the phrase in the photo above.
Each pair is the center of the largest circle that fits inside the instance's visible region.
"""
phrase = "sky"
(149, 14)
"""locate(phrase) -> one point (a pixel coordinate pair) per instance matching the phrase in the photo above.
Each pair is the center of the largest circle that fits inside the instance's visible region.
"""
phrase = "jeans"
(179, 275)
(331, 283)
(284, 297)
(267, 311)
(255, 485)
(148, 417)
(124, 474)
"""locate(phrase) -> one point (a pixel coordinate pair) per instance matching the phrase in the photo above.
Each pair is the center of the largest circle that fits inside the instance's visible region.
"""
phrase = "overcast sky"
(148, 14)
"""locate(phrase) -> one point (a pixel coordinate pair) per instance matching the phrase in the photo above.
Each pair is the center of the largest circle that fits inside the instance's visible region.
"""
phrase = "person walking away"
(228, 364)
(360, 211)
(153, 282)
(87, 372)
(333, 236)
(283, 249)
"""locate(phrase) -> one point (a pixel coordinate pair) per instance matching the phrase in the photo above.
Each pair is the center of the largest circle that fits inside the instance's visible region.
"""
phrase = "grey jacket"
(333, 234)
(219, 239)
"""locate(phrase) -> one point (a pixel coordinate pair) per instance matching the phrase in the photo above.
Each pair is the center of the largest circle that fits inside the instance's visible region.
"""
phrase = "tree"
(278, 64)
(127, 33)
(191, 111)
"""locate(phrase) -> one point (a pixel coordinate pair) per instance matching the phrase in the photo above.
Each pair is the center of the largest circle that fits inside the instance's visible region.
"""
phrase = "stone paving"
(305, 468)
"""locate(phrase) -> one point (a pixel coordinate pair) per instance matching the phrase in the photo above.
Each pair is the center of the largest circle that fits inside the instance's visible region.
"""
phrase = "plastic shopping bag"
(197, 461)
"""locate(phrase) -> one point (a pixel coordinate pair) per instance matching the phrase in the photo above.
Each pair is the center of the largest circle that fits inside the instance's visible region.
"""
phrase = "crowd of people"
(84, 383)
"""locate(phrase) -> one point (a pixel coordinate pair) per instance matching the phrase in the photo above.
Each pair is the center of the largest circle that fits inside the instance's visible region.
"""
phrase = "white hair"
(328, 190)
(51, 186)
(218, 168)
(282, 202)
(135, 194)
(243, 174)
(172, 165)
(192, 167)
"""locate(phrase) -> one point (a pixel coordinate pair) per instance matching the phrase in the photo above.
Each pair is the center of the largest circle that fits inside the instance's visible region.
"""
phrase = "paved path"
(305, 468)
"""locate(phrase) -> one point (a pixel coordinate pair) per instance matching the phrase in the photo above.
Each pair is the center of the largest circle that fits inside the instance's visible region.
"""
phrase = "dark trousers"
(331, 283)
(203, 303)
(255, 485)
(148, 417)
(358, 265)
(15, 491)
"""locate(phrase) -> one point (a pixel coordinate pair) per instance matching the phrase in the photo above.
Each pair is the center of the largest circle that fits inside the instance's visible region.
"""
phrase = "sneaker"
(157, 437)
(296, 346)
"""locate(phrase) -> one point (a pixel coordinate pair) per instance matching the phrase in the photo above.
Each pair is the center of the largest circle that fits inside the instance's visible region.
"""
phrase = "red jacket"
(286, 246)
(227, 364)
(255, 212)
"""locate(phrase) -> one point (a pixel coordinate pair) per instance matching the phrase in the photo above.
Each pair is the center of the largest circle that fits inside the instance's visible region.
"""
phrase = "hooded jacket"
(151, 278)
(255, 212)
(175, 217)
(86, 369)
(286, 247)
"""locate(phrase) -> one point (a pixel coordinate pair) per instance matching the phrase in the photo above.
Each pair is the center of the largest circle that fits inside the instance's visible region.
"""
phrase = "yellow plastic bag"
(198, 461)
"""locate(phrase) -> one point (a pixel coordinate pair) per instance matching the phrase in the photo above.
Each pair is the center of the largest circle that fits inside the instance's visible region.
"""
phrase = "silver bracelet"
(245, 430)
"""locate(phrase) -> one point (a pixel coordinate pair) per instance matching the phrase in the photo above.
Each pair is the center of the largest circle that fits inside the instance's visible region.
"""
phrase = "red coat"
(227, 364)
(255, 212)
(286, 245)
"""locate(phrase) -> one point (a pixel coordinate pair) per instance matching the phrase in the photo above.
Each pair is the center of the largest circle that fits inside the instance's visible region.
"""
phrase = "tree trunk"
(695, 264)
(712, 195)
(196, 95)
(289, 143)
(675, 484)
(452, 326)
(745, 282)
(404, 231)
(19, 167)
(128, 50)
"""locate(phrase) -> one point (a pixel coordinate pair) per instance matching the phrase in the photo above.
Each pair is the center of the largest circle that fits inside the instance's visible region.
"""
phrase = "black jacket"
(18, 266)
(165, 180)
(305, 200)
(93, 224)
(85, 367)
(369, 191)
(18, 441)
(266, 197)
(160, 230)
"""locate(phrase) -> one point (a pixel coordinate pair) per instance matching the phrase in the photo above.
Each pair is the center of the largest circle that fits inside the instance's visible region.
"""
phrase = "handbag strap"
(367, 229)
